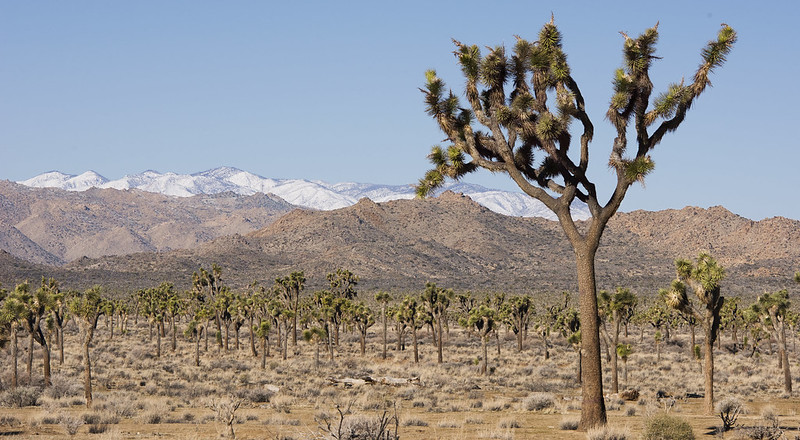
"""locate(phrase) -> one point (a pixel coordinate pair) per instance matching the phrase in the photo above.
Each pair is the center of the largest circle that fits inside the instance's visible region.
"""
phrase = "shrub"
(414, 422)
(729, 410)
(508, 424)
(71, 424)
(608, 433)
(20, 397)
(663, 426)
(539, 401)
(569, 424)
(98, 428)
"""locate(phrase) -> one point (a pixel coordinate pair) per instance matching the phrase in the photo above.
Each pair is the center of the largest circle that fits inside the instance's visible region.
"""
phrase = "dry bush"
(539, 402)
(608, 433)
(664, 426)
(21, 397)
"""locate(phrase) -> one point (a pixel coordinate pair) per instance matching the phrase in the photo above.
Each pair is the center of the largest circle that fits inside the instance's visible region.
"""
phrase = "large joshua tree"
(500, 131)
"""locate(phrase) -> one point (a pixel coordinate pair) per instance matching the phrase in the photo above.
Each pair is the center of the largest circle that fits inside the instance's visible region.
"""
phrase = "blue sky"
(329, 90)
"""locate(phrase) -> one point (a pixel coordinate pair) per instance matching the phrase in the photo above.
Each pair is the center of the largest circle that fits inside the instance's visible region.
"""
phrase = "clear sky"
(328, 90)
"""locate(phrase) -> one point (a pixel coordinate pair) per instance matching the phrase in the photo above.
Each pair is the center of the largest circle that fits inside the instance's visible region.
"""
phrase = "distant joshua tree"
(703, 278)
(523, 135)
(87, 308)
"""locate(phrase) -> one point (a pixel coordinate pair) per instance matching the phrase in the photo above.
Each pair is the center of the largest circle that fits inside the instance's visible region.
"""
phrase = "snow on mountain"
(305, 193)
(69, 182)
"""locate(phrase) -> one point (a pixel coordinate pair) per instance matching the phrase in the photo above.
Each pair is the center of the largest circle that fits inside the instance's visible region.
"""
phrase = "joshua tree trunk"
(439, 358)
(197, 348)
(264, 349)
(614, 361)
(46, 361)
(784, 355)
(416, 351)
(252, 339)
(519, 340)
(384, 332)
(593, 408)
(60, 345)
(14, 356)
(87, 367)
(485, 364)
(708, 373)
(30, 358)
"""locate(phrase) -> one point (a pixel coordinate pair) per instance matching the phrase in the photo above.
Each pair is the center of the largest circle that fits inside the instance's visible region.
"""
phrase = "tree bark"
(708, 374)
(593, 408)
(484, 365)
(14, 355)
(416, 351)
(439, 358)
(383, 312)
(87, 367)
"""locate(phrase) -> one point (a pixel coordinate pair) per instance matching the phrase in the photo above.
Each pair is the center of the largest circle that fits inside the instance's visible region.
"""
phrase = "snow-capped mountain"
(306, 193)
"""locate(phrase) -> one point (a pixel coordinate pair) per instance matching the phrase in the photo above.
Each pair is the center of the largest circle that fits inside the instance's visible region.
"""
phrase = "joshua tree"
(14, 313)
(522, 122)
(703, 278)
(383, 298)
(518, 312)
(87, 308)
(363, 318)
(773, 309)
(315, 335)
(483, 318)
(624, 351)
(436, 301)
(262, 332)
(616, 308)
(731, 319)
(291, 287)
(410, 314)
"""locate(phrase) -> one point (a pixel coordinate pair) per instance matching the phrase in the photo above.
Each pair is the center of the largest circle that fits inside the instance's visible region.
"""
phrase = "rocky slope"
(53, 226)
(399, 245)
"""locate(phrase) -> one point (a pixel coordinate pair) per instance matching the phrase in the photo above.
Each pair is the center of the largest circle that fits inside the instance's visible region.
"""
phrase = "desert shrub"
(729, 410)
(71, 424)
(570, 424)
(663, 426)
(630, 411)
(62, 386)
(414, 422)
(255, 395)
(508, 424)
(539, 401)
(608, 433)
(10, 421)
(20, 397)
(98, 428)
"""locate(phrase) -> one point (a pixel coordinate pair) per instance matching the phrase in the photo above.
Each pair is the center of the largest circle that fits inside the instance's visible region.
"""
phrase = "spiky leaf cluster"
(520, 105)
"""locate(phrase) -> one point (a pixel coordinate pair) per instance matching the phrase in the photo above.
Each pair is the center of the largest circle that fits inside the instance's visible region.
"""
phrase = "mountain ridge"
(399, 245)
(313, 194)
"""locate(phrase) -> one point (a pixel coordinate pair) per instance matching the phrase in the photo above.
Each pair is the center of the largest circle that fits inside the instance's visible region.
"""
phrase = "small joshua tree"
(703, 278)
(315, 336)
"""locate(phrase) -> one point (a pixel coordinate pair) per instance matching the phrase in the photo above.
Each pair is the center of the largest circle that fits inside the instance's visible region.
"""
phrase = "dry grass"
(137, 395)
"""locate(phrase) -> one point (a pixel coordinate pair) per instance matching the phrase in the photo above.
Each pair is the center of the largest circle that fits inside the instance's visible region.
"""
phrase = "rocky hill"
(53, 226)
(399, 245)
